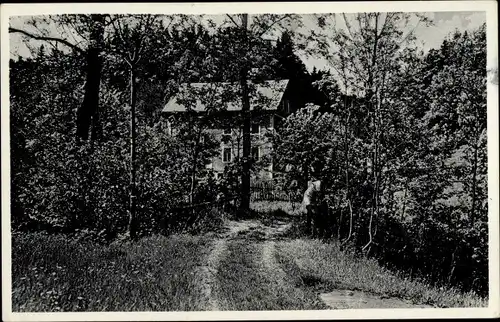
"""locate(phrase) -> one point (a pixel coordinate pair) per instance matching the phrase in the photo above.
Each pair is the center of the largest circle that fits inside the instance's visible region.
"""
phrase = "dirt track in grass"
(254, 264)
(245, 272)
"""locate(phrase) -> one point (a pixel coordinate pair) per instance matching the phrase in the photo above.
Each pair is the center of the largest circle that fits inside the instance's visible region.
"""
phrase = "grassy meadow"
(163, 273)
(52, 273)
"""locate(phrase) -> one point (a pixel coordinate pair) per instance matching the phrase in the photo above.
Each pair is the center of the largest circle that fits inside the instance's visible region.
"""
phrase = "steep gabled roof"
(220, 96)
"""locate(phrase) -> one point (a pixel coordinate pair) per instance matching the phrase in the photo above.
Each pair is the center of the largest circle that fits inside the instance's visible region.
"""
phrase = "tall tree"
(365, 54)
(247, 119)
(88, 113)
(249, 35)
(290, 66)
(134, 40)
(132, 35)
(90, 30)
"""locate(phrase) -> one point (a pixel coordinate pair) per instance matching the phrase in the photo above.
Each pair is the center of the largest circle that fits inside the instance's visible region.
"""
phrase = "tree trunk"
(339, 224)
(194, 167)
(305, 173)
(370, 93)
(132, 222)
(350, 223)
(375, 184)
(474, 183)
(87, 112)
(245, 175)
(404, 200)
(453, 265)
(346, 156)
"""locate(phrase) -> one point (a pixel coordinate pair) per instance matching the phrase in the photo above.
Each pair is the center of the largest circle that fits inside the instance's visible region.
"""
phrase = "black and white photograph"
(336, 158)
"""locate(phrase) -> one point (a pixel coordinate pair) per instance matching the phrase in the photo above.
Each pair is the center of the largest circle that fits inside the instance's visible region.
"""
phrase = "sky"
(427, 36)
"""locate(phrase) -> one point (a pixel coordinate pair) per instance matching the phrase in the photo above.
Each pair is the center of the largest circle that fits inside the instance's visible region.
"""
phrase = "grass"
(245, 283)
(323, 266)
(157, 273)
(56, 273)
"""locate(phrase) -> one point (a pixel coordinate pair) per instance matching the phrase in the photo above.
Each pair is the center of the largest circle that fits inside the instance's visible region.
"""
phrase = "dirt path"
(264, 236)
(346, 299)
(269, 262)
(281, 281)
(219, 247)
(261, 237)
(208, 273)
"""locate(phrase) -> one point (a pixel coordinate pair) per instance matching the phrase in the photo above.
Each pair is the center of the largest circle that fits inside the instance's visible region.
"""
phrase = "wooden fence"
(269, 191)
(184, 216)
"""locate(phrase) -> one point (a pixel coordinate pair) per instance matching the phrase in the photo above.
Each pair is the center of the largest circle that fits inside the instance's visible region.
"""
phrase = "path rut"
(265, 237)
(209, 271)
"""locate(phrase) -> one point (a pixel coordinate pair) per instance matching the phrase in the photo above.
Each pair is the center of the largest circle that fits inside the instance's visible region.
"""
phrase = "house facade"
(220, 105)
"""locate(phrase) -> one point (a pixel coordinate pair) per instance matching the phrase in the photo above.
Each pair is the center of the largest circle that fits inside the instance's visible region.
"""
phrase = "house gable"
(219, 97)
(212, 103)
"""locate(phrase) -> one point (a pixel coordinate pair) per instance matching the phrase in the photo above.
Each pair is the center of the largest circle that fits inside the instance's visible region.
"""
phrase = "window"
(256, 153)
(269, 121)
(226, 154)
(255, 128)
(286, 106)
(169, 128)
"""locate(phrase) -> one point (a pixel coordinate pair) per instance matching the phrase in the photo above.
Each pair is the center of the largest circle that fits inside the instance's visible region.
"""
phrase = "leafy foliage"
(398, 136)
(415, 194)
(59, 184)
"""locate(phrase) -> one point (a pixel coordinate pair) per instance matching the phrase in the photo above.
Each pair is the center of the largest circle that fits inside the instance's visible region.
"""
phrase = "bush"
(60, 184)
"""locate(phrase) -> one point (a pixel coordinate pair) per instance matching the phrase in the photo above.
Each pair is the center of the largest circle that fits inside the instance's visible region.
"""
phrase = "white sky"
(427, 37)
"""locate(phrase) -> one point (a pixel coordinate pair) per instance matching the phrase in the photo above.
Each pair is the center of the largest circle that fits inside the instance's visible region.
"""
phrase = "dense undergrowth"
(403, 278)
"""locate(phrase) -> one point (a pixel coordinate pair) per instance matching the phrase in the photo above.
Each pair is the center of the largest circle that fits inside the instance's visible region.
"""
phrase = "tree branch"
(348, 26)
(272, 24)
(126, 56)
(388, 17)
(46, 38)
(409, 33)
(229, 16)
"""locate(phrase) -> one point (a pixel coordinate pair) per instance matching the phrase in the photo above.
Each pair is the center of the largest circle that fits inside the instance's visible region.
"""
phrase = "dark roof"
(216, 94)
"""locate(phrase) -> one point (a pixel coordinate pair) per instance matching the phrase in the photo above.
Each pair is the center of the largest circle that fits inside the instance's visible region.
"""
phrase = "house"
(221, 105)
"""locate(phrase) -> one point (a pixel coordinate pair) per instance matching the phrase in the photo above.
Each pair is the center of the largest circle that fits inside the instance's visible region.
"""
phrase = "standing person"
(311, 202)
